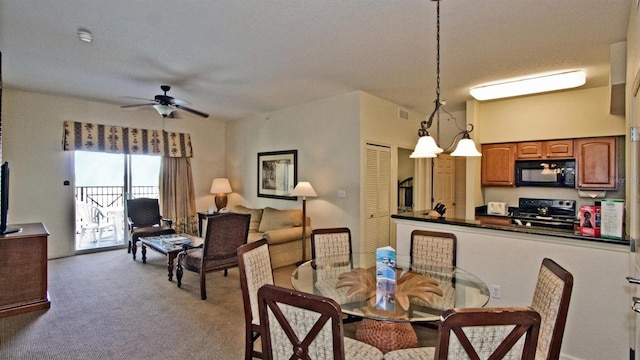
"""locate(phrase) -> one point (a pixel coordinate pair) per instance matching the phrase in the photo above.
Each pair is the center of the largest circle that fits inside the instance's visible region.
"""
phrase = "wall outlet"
(342, 193)
(496, 291)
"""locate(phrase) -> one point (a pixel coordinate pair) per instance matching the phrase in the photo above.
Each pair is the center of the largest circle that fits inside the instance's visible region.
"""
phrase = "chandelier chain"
(438, 53)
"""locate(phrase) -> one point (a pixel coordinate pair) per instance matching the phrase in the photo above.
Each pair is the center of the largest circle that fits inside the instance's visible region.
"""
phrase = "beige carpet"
(107, 306)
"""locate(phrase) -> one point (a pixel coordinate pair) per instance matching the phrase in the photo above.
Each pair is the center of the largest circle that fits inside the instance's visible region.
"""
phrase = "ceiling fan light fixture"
(529, 85)
(164, 110)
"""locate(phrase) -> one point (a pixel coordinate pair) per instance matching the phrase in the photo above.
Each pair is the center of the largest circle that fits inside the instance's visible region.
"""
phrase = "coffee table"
(169, 245)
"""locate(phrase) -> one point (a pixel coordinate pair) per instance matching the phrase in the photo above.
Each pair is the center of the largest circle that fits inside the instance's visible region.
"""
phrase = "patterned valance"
(123, 140)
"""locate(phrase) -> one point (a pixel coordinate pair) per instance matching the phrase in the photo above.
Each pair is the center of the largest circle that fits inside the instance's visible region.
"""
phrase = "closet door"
(377, 196)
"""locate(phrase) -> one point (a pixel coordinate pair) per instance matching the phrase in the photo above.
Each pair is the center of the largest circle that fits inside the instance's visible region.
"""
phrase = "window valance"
(124, 140)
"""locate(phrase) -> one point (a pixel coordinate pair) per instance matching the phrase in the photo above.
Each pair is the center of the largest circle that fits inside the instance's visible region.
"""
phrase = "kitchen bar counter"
(421, 216)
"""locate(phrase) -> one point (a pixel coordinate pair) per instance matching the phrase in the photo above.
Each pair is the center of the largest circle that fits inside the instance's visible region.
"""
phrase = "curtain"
(124, 140)
(177, 195)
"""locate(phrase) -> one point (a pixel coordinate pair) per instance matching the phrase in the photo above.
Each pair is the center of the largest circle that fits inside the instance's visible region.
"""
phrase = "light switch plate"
(342, 194)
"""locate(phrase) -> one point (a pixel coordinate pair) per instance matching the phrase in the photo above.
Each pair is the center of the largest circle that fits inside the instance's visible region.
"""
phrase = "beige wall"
(326, 135)
(32, 144)
(558, 115)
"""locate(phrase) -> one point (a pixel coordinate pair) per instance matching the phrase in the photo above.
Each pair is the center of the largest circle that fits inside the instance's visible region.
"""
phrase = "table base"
(387, 335)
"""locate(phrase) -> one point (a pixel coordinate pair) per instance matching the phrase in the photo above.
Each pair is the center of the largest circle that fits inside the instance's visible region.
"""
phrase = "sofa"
(283, 231)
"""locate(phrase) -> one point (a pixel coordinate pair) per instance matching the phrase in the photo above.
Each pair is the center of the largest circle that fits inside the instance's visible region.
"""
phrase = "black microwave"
(548, 173)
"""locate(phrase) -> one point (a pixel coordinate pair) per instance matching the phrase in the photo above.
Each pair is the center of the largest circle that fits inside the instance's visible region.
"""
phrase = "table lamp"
(220, 187)
(304, 189)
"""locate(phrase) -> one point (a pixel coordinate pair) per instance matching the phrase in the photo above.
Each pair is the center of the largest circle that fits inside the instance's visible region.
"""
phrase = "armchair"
(225, 234)
(144, 220)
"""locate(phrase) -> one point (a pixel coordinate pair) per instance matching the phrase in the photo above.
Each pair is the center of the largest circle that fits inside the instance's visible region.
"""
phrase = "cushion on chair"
(193, 259)
(151, 231)
(273, 219)
(421, 353)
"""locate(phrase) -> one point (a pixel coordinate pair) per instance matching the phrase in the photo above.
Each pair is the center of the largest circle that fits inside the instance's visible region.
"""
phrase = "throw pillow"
(256, 216)
(273, 219)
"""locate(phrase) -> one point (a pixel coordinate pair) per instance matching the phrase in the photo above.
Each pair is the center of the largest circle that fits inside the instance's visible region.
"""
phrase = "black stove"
(554, 213)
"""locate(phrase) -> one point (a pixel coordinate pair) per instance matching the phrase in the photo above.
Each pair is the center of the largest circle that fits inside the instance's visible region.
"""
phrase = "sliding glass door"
(103, 182)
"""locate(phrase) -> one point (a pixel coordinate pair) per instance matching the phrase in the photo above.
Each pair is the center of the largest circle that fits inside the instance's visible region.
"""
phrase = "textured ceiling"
(236, 58)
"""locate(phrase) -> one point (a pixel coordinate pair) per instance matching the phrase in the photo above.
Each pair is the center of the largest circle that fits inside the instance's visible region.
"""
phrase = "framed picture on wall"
(277, 174)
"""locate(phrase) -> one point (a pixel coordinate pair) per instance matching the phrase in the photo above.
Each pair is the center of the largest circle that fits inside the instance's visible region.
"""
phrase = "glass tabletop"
(422, 293)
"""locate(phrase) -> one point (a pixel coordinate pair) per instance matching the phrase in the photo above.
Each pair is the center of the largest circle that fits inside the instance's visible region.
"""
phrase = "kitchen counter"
(421, 216)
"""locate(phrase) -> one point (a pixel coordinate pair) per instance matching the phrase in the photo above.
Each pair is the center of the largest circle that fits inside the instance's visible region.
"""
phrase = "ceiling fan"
(165, 104)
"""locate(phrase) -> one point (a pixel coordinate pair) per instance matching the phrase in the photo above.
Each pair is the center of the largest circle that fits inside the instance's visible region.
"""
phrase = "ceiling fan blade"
(136, 105)
(195, 112)
(175, 101)
(135, 98)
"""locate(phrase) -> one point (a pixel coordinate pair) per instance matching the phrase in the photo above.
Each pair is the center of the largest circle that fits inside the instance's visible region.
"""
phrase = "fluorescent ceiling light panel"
(532, 85)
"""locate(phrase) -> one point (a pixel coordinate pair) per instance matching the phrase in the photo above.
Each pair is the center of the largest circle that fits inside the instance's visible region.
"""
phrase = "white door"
(444, 183)
(377, 196)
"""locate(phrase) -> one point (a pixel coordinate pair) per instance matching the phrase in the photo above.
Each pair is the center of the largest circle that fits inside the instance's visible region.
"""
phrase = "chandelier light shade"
(220, 187)
(426, 146)
(529, 85)
(304, 189)
(164, 110)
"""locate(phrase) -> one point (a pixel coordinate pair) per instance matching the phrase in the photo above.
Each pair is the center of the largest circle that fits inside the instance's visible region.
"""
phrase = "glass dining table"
(421, 294)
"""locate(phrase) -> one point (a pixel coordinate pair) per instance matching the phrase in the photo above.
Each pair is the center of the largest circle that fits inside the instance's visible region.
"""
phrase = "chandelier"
(426, 146)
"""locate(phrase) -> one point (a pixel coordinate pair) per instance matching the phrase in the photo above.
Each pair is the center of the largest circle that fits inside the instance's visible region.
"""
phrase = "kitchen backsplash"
(511, 195)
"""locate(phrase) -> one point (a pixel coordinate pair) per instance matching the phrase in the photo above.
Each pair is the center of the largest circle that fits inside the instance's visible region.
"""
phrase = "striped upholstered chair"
(255, 270)
(551, 299)
(481, 333)
(310, 325)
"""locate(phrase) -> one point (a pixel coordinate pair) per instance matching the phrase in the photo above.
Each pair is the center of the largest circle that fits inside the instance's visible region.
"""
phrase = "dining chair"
(255, 270)
(430, 250)
(480, 333)
(331, 249)
(431, 247)
(551, 299)
(330, 242)
(144, 219)
(298, 325)
(219, 251)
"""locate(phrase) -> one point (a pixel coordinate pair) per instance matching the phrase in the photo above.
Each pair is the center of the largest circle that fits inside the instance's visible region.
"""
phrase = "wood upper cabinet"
(498, 164)
(596, 160)
(545, 149)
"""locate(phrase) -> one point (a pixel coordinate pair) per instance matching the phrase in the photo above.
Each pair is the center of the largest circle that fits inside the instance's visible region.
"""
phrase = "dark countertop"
(421, 216)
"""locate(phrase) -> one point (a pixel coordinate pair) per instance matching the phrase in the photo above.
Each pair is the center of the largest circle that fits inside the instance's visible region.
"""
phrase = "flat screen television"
(4, 201)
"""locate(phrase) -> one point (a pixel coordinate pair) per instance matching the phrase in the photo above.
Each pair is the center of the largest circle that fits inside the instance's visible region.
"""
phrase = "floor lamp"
(304, 189)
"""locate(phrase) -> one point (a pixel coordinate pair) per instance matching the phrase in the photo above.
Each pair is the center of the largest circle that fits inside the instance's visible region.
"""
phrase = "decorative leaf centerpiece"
(410, 284)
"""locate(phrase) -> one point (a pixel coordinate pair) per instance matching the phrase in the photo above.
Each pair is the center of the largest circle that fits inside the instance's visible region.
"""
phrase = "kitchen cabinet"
(545, 149)
(596, 160)
(498, 164)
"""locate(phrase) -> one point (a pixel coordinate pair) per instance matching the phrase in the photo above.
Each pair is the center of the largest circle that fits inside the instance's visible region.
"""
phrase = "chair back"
(143, 212)
(308, 324)
(255, 270)
(488, 333)
(551, 299)
(330, 242)
(225, 234)
(431, 247)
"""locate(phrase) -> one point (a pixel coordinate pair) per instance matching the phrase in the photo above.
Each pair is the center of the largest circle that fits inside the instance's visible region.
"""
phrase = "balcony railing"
(112, 196)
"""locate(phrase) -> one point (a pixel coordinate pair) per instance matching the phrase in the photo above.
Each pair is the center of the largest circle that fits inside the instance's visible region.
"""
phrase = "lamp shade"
(164, 110)
(426, 148)
(220, 186)
(466, 147)
(304, 189)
